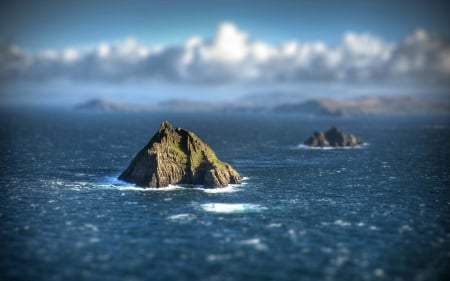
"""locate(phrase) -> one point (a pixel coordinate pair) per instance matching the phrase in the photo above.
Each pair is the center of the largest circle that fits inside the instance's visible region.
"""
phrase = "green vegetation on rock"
(178, 156)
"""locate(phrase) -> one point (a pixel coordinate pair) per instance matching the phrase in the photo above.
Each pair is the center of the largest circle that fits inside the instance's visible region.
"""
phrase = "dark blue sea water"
(379, 212)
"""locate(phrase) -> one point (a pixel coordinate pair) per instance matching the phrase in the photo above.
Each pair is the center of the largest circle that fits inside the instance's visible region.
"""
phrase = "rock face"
(178, 156)
(332, 138)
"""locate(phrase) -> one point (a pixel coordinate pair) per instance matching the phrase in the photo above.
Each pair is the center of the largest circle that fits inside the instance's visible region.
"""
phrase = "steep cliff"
(178, 156)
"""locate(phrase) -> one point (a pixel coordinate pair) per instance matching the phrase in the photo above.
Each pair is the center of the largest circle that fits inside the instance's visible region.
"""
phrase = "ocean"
(377, 212)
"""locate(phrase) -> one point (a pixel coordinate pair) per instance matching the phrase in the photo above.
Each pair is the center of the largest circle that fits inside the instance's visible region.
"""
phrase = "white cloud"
(70, 55)
(229, 46)
(233, 56)
(103, 50)
(422, 55)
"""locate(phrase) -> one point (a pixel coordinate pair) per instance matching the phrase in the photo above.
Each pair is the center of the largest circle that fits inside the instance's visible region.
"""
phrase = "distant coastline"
(361, 106)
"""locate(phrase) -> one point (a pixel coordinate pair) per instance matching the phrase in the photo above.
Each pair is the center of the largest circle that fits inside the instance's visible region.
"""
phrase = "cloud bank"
(233, 56)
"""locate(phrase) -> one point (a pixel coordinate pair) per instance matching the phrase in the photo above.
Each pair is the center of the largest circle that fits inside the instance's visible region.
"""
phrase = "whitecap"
(405, 228)
(339, 260)
(379, 272)
(227, 189)
(91, 227)
(94, 240)
(182, 217)
(274, 225)
(147, 189)
(303, 146)
(255, 242)
(218, 257)
(232, 208)
(115, 183)
(342, 223)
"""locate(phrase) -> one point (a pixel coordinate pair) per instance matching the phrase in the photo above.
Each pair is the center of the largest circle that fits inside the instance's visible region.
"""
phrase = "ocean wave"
(112, 182)
(147, 189)
(182, 217)
(255, 242)
(227, 189)
(115, 183)
(231, 208)
(342, 223)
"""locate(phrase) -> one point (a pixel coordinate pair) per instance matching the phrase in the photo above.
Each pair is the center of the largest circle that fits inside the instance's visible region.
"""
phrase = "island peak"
(178, 156)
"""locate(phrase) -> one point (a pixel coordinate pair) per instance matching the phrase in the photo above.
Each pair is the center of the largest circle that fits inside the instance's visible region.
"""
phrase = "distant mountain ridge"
(370, 105)
(98, 104)
(367, 106)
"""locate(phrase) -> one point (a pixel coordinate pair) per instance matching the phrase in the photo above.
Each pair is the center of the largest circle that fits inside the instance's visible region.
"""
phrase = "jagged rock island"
(178, 156)
(332, 138)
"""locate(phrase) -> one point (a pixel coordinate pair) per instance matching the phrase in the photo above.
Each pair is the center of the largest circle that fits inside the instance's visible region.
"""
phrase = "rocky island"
(178, 156)
(333, 138)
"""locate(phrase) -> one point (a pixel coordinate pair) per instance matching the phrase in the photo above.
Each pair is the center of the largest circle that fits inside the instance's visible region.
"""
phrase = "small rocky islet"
(333, 138)
(178, 156)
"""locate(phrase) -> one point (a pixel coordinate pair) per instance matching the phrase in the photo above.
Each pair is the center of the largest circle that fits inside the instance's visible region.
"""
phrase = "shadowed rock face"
(333, 138)
(178, 156)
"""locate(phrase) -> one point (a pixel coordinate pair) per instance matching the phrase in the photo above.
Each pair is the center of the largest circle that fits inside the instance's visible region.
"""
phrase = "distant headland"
(283, 103)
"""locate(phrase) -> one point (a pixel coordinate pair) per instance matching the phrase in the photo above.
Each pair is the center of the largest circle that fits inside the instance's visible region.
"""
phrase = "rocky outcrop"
(178, 156)
(332, 138)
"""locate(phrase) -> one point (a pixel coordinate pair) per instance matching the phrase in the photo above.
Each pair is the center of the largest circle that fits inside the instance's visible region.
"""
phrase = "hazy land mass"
(285, 103)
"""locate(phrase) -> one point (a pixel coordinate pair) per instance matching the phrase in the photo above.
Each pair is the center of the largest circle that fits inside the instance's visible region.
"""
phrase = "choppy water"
(379, 212)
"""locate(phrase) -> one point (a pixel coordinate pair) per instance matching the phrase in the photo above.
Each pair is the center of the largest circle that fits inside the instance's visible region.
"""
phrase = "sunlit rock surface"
(178, 156)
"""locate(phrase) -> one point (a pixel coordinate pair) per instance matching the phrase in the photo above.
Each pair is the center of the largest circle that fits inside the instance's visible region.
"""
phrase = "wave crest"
(230, 208)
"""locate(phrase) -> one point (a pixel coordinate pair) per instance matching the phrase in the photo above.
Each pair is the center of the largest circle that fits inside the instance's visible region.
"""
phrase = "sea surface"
(377, 212)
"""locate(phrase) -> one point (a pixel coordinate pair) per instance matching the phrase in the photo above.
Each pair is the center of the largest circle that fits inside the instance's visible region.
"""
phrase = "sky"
(149, 51)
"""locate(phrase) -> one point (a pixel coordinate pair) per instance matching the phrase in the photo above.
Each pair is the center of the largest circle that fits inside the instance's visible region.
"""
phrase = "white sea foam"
(218, 257)
(112, 182)
(339, 260)
(303, 146)
(274, 225)
(405, 228)
(182, 217)
(94, 240)
(115, 183)
(149, 189)
(255, 242)
(379, 272)
(228, 189)
(91, 227)
(232, 208)
(342, 223)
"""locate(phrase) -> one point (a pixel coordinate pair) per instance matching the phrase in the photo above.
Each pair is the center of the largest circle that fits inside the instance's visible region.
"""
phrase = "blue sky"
(57, 24)
(373, 35)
